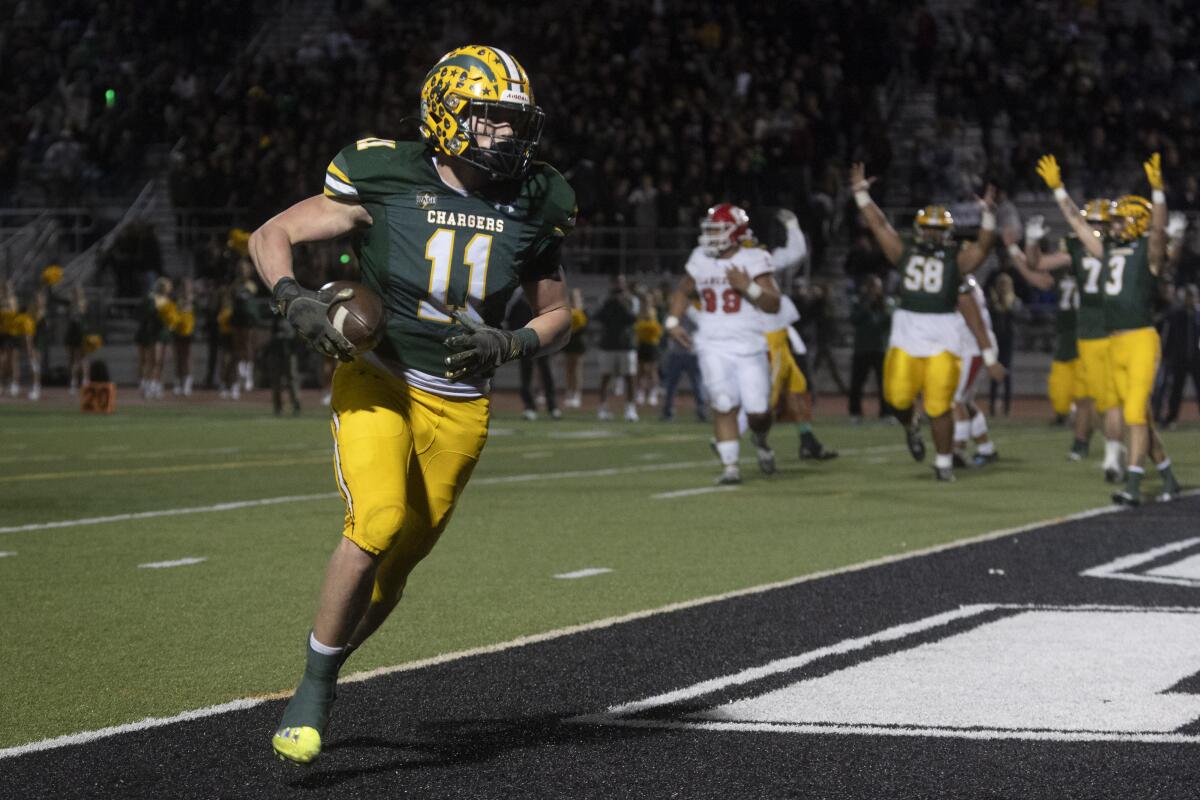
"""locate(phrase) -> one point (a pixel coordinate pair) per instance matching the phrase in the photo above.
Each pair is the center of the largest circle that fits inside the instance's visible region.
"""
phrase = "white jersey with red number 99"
(727, 321)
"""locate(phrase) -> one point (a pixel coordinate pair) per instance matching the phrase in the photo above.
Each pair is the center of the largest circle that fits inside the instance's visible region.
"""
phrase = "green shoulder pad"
(371, 168)
(552, 198)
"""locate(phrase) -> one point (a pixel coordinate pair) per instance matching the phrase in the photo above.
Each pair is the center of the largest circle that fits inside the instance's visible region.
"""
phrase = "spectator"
(1003, 305)
(871, 319)
(518, 315)
(618, 358)
(1181, 352)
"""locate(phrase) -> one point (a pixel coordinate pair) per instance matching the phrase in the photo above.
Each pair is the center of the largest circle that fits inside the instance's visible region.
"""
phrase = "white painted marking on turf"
(1063, 673)
(1185, 572)
(692, 492)
(7, 553)
(179, 562)
(537, 638)
(535, 454)
(168, 512)
(586, 434)
(583, 573)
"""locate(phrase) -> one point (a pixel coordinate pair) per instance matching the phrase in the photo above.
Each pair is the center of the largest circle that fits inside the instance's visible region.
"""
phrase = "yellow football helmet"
(1131, 214)
(1096, 212)
(933, 222)
(475, 90)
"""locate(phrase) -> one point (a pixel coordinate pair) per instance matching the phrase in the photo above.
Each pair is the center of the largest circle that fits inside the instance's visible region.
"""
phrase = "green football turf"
(91, 640)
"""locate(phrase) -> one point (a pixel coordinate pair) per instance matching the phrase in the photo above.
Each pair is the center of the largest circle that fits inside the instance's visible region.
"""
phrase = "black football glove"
(483, 348)
(308, 311)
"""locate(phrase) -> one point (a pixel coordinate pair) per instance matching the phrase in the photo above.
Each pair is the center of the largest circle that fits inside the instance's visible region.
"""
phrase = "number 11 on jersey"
(439, 251)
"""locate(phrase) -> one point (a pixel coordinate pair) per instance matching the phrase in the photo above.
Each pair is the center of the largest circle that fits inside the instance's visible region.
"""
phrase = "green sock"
(1168, 477)
(311, 704)
(1133, 481)
(804, 428)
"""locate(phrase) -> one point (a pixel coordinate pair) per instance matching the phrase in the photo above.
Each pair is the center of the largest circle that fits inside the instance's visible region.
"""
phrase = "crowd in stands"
(88, 85)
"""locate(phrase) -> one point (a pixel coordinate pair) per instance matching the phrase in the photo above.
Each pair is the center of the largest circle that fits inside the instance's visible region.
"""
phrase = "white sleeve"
(787, 314)
(796, 341)
(755, 261)
(693, 263)
(794, 250)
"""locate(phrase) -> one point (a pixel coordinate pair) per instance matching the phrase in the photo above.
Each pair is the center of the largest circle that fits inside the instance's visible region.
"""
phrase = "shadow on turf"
(451, 743)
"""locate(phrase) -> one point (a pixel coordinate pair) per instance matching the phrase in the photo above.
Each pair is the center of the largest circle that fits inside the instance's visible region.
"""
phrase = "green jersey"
(1088, 272)
(930, 278)
(432, 249)
(1128, 285)
(1065, 347)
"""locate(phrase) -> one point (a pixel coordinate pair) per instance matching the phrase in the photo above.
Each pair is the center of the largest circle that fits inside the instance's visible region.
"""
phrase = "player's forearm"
(881, 229)
(1075, 220)
(1158, 232)
(271, 251)
(765, 300)
(553, 329)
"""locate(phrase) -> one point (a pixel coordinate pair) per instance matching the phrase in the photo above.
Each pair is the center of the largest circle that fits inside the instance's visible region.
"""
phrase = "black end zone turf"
(501, 725)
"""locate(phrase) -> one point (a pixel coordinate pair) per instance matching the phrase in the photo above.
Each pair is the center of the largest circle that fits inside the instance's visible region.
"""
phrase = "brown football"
(360, 319)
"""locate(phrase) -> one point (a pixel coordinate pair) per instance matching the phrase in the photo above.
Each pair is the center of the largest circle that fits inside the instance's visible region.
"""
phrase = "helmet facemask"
(512, 132)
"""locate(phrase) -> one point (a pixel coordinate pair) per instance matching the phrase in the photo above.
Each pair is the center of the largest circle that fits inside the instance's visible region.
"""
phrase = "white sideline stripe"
(608, 622)
(873, 730)
(583, 573)
(7, 553)
(179, 562)
(690, 492)
(168, 512)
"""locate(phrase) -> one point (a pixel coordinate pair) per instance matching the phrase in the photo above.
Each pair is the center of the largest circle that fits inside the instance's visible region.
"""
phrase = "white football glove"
(1035, 229)
(1176, 224)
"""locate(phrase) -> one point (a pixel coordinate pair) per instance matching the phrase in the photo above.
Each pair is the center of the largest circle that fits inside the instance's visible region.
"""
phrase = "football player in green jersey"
(1134, 258)
(922, 356)
(445, 229)
(1066, 384)
(1084, 255)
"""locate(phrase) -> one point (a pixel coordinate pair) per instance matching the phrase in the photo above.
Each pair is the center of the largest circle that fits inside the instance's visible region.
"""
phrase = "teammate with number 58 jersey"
(922, 352)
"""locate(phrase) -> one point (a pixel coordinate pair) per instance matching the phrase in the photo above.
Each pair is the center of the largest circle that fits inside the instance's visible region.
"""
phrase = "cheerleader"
(9, 339)
(154, 331)
(245, 293)
(182, 332)
(648, 333)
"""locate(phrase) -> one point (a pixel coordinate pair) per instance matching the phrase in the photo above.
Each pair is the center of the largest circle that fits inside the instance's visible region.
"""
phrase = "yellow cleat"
(298, 745)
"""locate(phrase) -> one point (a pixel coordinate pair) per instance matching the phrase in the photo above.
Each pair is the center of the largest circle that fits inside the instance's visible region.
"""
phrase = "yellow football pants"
(1098, 372)
(934, 377)
(1066, 384)
(786, 377)
(402, 457)
(1135, 355)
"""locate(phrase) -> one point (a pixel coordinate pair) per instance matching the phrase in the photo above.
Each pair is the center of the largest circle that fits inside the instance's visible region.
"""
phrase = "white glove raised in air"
(1035, 229)
(1176, 224)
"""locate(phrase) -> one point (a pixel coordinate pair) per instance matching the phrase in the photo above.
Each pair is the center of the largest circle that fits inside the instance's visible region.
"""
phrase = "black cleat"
(818, 453)
(916, 445)
(983, 459)
(1113, 475)
(1126, 498)
(956, 460)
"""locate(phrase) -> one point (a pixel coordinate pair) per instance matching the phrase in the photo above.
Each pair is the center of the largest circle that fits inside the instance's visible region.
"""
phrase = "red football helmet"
(724, 226)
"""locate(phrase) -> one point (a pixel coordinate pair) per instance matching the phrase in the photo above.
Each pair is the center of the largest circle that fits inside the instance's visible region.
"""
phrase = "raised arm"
(1047, 168)
(1035, 231)
(971, 256)
(1036, 278)
(1158, 214)
(889, 241)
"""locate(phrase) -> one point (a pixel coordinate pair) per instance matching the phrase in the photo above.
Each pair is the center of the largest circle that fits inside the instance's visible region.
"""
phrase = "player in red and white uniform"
(732, 284)
(978, 351)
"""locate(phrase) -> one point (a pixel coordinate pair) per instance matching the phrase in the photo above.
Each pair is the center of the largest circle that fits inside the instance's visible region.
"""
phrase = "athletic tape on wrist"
(862, 198)
(1158, 196)
(987, 222)
(1060, 193)
(1014, 250)
(989, 356)
(671, 322)
(754, 291)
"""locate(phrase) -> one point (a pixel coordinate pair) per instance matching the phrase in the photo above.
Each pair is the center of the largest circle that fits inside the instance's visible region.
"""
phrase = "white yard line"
(583, 573)
(179, 562)
(7, 553)
(250, 702)
(692, 492)
(168, 512)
